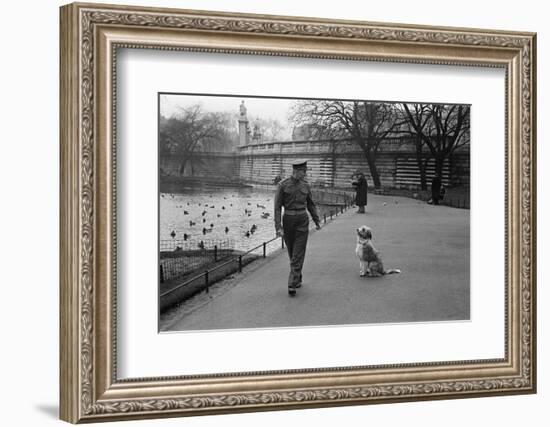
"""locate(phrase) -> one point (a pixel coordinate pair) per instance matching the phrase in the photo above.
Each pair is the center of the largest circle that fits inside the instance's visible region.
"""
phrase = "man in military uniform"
(294, 195)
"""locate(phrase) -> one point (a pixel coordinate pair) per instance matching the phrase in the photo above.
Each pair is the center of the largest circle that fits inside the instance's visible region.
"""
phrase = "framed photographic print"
(268, 212)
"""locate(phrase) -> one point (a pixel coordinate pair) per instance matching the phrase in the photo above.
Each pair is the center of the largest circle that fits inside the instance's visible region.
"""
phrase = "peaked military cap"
(299, 164)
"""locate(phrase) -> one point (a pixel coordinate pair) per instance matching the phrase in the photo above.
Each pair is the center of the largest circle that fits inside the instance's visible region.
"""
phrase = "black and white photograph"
(291, 212)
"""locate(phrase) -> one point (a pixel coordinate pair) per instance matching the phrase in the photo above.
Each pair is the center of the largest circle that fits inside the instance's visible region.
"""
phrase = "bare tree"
(419, 115)
(442, 128)
(366, 123)
(272, 129)
(190, 129)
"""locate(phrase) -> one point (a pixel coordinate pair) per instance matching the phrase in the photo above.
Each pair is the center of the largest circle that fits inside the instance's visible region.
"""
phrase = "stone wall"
(332, 165)
(329, 164)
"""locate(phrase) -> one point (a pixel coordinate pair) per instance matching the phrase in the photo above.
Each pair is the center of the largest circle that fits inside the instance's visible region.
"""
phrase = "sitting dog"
(369, 257)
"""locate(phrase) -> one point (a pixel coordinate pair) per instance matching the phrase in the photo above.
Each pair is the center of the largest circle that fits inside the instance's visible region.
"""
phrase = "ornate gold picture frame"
(91, 390)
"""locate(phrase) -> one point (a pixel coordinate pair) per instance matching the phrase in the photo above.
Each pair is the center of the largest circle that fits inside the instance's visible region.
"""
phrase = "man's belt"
(294, 211)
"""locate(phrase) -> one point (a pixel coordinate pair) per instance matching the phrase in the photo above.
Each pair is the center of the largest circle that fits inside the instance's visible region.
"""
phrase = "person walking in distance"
(294, 195)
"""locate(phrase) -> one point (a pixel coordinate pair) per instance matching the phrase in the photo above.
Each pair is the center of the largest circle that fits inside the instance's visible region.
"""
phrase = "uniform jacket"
(294, 194)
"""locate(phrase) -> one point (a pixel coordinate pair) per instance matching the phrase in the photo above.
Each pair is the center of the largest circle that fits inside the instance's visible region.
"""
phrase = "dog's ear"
(369, 234)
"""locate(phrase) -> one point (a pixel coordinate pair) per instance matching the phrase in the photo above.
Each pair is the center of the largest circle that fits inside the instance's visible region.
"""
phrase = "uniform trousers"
(296, 230)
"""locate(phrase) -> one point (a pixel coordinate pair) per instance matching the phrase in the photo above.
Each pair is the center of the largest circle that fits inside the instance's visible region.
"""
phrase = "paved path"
(430, 244)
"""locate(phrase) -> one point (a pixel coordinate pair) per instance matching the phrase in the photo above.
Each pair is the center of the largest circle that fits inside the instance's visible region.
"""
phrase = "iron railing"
(179, 257)
(236, 259)
(166, 245)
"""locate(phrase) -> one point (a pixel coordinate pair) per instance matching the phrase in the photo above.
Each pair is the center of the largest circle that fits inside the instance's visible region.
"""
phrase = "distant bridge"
(330, 163)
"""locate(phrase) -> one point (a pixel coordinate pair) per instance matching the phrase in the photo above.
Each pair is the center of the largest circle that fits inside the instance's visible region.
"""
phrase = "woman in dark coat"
(360, 184)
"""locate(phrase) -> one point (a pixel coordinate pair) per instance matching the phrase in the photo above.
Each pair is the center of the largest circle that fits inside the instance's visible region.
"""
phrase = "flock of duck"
(210, 215)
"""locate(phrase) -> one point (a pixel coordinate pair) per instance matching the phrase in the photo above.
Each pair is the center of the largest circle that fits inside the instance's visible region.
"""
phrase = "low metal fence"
(322, 195)
(332, 197)
(179, 244)
(184, 257)
(460, 202)
(238, 261)
(452, 199)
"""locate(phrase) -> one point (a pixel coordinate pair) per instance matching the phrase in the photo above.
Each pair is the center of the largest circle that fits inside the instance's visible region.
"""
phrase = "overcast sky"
(263, 108)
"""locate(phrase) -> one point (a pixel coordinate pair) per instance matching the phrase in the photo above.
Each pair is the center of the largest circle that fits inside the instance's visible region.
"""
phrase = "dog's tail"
(393, 271)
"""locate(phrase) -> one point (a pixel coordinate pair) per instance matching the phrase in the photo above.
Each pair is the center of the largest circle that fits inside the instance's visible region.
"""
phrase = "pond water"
(240, 218)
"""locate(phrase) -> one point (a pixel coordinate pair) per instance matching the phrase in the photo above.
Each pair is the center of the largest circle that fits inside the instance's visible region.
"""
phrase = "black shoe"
(298, 285)
(292, 291)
